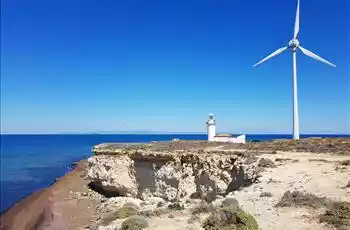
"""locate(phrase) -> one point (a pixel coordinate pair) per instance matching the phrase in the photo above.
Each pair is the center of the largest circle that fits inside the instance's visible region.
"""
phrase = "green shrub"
(230, 218)
(134, 223)
(125, 212)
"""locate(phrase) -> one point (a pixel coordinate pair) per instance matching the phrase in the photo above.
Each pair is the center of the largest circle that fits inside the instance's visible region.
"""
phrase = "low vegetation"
(345, 163)
(319, 160)
(155, 212)
(266, 163)
(230, 218)
(202, 207)
(348, 185)
(130, 204)
(176, 206)
(301, 199)
(230, 202)
(134, 223)
(338, 215)
(265, 194)
(193, 219)
(125, 212)
(121, 213)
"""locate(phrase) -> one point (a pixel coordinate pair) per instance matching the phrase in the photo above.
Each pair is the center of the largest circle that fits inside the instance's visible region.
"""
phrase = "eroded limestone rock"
(170, 175)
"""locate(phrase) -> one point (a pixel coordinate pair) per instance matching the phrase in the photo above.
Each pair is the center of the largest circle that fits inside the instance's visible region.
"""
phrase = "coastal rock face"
(114, 174)
(171, 175)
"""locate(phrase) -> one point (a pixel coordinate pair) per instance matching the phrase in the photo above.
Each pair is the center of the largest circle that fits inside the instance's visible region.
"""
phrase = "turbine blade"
(280, 50)
(296, 26)
(314, 56)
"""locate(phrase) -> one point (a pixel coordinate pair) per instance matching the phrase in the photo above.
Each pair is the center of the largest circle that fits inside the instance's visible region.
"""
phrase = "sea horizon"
(176, 133)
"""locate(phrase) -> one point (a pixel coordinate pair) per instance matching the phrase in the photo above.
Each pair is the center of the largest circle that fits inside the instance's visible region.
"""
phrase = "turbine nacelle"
(293, 44)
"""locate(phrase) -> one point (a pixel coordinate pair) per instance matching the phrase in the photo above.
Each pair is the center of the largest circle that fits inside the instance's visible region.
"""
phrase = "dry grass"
(338, 215)
(320, 145)
(230, 218)
(265, 194)
(202, 207)
(134, 223)
(121, 213)
(319, 160)
(266, 163)
(301, 199)
(176, 206)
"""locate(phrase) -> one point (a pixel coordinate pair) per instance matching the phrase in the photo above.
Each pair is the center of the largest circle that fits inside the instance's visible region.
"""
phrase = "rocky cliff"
(171, 171)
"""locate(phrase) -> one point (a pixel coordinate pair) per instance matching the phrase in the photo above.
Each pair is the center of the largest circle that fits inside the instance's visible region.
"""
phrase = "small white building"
(212, 136)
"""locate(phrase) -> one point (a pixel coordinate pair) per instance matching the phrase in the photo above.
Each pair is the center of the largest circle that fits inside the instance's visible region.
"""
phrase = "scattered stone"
(266, 194)
(266, 163)
(134, 223)
(171, 216)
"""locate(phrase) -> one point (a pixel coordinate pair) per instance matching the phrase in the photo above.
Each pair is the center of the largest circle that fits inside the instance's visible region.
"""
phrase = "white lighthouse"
(211, 124)
(212, 136)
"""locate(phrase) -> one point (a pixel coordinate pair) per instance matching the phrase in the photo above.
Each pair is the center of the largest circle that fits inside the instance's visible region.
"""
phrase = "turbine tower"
(294, 45)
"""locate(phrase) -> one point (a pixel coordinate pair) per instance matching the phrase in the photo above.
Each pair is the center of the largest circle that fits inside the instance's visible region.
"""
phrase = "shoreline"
(18, 217)
(56, 206)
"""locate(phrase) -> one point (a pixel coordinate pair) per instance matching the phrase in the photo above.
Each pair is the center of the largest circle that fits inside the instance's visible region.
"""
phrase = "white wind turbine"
(294, 45)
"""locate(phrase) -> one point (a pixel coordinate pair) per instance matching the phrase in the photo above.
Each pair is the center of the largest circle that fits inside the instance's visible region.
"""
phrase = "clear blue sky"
(84, 66)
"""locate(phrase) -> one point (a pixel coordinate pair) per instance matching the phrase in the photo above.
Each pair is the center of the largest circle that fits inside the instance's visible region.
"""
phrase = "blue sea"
(32, 162)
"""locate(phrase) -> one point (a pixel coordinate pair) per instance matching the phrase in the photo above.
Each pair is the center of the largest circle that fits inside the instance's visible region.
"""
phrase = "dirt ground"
(318, 174)
(54, 207)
